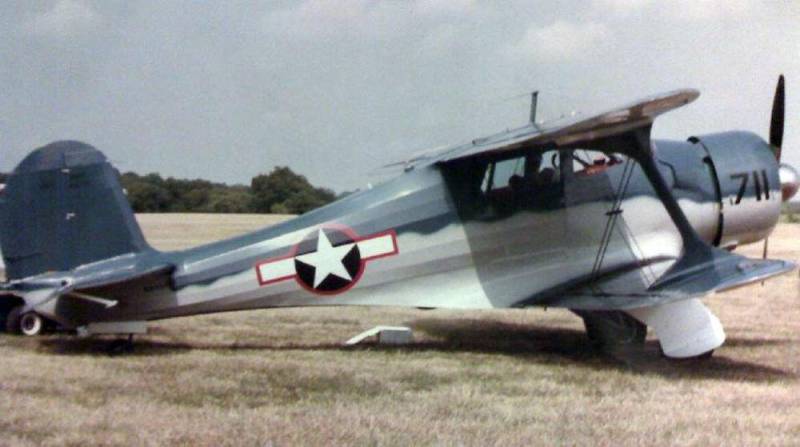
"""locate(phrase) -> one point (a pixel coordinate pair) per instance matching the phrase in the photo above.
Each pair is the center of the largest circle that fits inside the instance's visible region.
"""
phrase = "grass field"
(282, 377)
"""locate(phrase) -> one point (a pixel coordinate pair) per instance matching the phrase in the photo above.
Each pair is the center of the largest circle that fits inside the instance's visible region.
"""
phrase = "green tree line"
(281, 191)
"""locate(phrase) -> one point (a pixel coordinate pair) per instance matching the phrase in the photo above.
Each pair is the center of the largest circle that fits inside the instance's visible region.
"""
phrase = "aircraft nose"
(790, 181)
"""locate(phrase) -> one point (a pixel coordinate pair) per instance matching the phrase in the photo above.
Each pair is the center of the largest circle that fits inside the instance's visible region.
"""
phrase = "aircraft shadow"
(536, 344)
(543, 344)
(756, 342)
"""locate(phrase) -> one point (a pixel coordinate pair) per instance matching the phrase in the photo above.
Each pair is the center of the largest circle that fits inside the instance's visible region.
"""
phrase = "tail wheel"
(32, 324)
(29, 323)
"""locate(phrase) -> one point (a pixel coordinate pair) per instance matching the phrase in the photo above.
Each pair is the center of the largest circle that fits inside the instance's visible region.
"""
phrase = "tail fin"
(62, 207)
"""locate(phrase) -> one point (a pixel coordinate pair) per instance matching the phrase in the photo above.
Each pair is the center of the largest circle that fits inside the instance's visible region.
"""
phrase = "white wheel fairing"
(684, 328)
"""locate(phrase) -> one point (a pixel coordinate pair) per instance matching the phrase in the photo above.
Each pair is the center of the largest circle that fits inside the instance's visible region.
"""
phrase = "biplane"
(588, 214)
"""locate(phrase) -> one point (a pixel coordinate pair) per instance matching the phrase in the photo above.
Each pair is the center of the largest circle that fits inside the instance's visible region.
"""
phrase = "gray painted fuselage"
(458, 247)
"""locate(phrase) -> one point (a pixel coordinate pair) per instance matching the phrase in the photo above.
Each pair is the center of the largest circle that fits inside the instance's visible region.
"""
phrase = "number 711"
(760, 183)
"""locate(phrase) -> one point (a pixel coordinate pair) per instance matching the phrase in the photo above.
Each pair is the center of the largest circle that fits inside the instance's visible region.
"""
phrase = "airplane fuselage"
(444, 237)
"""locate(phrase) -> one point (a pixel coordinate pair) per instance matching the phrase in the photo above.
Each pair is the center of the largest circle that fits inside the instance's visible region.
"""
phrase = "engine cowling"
(750, 189)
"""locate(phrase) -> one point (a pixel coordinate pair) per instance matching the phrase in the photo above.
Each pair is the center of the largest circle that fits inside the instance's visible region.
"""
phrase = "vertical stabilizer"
(62, 207)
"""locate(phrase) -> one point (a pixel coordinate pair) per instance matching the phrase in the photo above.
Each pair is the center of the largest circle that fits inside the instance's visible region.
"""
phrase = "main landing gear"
(686, 330)
(612, 330)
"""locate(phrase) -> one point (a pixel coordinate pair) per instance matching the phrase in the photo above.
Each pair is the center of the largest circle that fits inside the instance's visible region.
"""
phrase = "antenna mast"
(534, 101)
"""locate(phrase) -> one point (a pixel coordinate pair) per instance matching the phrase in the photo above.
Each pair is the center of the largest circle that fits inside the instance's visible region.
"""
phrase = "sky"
(336, 89)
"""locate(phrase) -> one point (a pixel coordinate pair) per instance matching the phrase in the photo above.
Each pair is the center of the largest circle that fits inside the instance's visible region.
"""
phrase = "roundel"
(328, 260)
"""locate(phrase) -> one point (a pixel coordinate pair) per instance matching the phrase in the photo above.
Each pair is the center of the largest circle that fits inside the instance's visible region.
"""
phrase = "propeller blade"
(776, 123)
(776, 133)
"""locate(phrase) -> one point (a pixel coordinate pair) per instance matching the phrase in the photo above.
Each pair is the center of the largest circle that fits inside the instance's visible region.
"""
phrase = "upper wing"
(620, 120)
(562, 132)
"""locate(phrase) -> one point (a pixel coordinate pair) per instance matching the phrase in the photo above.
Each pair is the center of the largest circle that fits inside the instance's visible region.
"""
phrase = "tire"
(32, 324)
(613, 329)
(13, 320)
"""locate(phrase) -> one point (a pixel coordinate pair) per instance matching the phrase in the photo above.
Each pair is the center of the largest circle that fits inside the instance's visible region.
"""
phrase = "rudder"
(62, 207)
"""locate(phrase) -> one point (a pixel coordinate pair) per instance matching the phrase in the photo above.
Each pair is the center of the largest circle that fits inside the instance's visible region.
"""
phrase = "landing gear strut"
(611, 329)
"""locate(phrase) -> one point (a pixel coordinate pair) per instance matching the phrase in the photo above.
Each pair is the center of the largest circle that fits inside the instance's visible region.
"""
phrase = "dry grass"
(515, 377)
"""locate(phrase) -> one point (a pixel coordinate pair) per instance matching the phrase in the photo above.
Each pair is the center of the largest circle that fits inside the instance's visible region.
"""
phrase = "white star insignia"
(327, 259)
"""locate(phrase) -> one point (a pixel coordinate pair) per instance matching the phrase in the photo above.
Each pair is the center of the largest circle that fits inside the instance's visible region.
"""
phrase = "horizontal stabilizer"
(101, 284)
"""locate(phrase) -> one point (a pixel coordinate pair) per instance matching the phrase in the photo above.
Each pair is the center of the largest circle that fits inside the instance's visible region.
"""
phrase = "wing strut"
(697, 255)
(613, 214)
(644, 154)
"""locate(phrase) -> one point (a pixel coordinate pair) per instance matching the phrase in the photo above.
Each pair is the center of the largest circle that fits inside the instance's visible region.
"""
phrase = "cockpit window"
(503, 171)
(511, 173)
(588, 162)
(530, 181)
